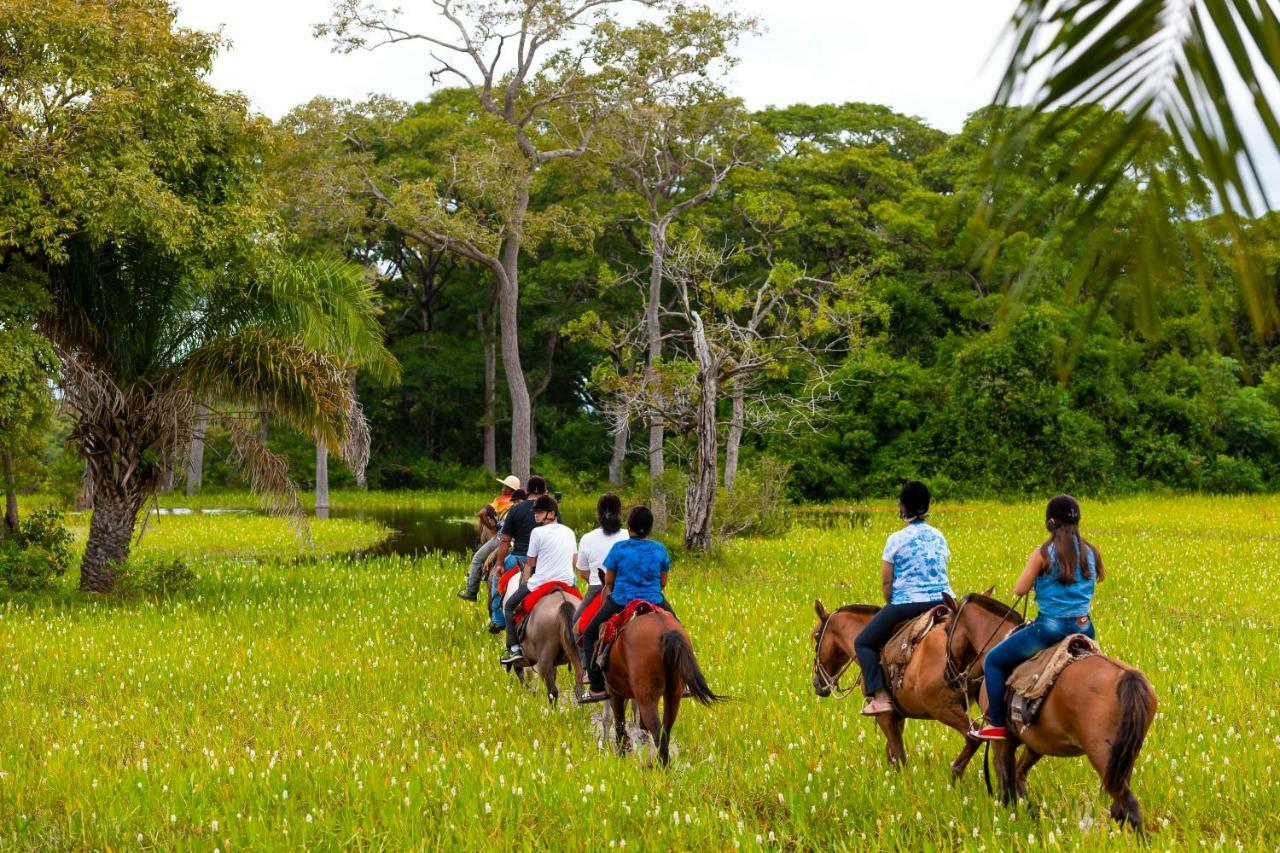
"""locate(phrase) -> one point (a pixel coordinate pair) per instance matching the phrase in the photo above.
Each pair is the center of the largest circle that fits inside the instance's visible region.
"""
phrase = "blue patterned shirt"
(919, 554)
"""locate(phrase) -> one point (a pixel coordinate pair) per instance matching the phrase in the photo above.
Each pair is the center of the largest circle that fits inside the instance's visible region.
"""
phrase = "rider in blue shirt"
(1063, 572)
(636, 569)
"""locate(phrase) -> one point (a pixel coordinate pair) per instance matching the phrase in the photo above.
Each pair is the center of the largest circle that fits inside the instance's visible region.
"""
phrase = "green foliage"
(38, 553)
(160, 577)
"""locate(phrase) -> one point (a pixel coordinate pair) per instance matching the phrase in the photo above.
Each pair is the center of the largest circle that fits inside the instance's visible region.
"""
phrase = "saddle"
(897, 653)
(1031, 682)
(610, 630)
(531, 600)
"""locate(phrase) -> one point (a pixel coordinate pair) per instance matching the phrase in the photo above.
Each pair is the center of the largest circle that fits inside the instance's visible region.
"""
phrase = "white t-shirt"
(553, 545)
(592, 550)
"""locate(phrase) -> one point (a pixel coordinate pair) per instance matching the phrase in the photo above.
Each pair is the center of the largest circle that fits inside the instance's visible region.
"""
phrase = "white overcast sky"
(929, 58)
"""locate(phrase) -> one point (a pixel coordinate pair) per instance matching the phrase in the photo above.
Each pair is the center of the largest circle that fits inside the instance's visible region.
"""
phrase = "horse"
(1099, 707)
(925, 693)
(652, 659)
(548, 641)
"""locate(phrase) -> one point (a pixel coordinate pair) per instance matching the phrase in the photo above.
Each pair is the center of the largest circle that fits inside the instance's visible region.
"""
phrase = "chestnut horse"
(925, 694)
(652, 659)
(1099, 707)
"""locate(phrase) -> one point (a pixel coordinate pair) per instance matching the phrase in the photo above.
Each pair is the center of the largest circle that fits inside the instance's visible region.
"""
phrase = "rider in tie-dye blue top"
(918, 554)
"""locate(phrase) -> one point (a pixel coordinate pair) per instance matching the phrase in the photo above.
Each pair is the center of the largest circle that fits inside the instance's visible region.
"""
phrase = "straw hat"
(512, 482)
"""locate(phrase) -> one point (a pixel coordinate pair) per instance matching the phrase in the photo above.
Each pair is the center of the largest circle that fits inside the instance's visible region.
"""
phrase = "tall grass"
(359, 703)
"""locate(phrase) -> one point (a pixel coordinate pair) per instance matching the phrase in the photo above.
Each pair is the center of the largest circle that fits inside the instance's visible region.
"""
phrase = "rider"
(551, 557)
(491, 516)
(513, 547)
(913, 578)
(1062, 571)
(596, 544)
(635, 569)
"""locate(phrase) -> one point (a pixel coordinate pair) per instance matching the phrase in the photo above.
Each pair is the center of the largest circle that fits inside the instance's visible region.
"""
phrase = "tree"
(546, 106)
(26, 366)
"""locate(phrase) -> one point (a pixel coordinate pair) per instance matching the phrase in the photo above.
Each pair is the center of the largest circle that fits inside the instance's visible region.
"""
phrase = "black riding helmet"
(1063, 509)
(913, 500)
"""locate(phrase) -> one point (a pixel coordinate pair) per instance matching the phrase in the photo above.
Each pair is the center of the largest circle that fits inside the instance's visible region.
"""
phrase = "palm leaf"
(1158, 62)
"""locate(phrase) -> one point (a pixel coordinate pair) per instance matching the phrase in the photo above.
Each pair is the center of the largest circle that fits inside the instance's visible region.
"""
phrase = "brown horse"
(652, 659)
(548, 641)
(1099, 707)
(925, 694)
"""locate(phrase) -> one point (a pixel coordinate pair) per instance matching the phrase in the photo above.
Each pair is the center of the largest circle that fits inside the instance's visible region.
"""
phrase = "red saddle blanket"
(588, 613)
(609, 631)
(526, 606)
(506, 578)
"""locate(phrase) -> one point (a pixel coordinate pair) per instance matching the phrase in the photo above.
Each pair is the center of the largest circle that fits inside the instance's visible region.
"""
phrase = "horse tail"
(677, 658)
(567, 610)
(1137, 709)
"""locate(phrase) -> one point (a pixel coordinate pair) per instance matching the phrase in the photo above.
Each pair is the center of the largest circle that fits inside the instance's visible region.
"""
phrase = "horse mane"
(861, 609)
(995, 607)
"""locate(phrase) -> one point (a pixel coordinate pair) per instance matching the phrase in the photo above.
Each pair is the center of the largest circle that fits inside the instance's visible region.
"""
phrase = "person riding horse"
(513, 544)
(552, 549)
(635, 569)
(913, 578)
(596, 545)
(491, 516)
(1063, 572)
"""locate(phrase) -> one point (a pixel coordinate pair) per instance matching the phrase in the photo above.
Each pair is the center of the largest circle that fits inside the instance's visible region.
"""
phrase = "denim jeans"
(1021, 645)
(872, 638)
(495, 597)
(477, 564)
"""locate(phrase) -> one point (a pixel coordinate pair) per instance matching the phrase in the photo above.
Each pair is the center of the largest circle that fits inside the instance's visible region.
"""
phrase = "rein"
(829, 681)
(961, 679)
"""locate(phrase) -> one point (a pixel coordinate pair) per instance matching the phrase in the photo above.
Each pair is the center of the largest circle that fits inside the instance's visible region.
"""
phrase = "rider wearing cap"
(913, 578)
(1063, 572)
(491, 516)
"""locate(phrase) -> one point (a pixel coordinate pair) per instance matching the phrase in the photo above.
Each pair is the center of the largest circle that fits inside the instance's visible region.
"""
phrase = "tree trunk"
(484, 323)
(362, 480)
(322, 480)
(735, 435)
(115, 512)
(701, 494)
(653, 330)
(10, 492)
(543, 385)
(195, 458)
(509, 321)
(620, 436)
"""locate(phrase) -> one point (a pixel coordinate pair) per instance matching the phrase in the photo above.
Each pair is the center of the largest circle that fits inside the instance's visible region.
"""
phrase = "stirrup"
(591, 696)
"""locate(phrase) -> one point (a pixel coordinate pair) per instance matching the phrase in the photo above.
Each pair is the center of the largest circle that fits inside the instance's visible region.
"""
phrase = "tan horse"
(653, 659)
(1099, 707)
(548, 641)
(925, 693)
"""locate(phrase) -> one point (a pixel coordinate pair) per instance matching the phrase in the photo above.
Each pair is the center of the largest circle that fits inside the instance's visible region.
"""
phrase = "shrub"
(156, 576)
(37, 553)
(758, 502)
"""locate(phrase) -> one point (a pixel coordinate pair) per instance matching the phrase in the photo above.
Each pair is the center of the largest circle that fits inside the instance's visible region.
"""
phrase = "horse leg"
(1006, 770)
(618, 706)
(1124, 805)
(670, 710)
(892, 724)
(954, 716)
(1026, 761)
(548, 673)
(648, 711)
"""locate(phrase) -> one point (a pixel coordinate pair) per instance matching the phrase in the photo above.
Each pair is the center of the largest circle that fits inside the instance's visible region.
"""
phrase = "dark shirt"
(519, 525)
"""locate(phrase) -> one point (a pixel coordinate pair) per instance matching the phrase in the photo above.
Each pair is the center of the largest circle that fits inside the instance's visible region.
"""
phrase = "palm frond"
(331, 306)
(268, 472)
(1171, 67)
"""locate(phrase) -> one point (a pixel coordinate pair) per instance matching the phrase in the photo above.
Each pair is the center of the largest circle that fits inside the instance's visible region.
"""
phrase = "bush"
(758, 502)
(1231, 476)
(156, 576)
(37, 553)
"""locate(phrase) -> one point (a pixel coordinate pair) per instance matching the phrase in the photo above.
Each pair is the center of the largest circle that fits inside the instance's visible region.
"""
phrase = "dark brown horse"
(1099, 707)
(925, 694)
(653, 659)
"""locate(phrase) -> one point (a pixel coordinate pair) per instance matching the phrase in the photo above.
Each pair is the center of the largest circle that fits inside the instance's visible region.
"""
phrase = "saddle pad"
(505, 580)
(610, 630)
(1033, 679)
(897, 652)
(531, 600)
(588, 613)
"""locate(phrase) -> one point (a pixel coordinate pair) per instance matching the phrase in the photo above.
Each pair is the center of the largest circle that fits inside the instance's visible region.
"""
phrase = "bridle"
(962, 679)
(828, 681)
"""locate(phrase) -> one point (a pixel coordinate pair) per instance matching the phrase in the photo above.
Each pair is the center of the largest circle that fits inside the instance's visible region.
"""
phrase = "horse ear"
(950, 600)
(990, 590)
(820, 610)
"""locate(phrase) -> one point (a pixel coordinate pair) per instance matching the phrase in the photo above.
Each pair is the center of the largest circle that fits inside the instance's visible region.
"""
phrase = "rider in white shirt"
(552, 548)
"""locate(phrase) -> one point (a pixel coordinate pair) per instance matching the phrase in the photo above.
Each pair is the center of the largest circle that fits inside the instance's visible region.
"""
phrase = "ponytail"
(609, 513)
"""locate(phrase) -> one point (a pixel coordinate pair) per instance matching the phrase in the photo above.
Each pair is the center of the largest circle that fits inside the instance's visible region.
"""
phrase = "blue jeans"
(1022, 644)
(495, 598)
(873, 636)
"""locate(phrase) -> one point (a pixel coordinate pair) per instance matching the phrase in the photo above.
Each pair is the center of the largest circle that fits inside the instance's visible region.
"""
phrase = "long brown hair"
(1068, 546)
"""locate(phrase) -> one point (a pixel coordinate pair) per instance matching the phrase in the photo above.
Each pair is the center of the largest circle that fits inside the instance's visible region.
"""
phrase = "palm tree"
(1202, 74)
(144, 335)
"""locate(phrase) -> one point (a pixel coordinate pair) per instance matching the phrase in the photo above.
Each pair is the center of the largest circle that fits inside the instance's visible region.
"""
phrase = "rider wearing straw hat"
(1063, 572)
(491, 515)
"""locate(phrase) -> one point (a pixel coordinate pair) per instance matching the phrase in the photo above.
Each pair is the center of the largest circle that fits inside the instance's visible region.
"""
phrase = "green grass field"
(342, 702)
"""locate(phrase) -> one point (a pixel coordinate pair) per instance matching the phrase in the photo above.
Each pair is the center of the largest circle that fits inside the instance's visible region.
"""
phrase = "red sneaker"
(992, 733)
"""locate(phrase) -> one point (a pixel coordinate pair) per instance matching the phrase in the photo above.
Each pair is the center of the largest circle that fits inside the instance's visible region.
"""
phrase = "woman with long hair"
(1063, 571)
(595, 546)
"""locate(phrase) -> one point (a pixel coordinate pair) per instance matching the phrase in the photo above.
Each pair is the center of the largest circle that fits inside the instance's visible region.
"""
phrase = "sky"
(928, 58)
